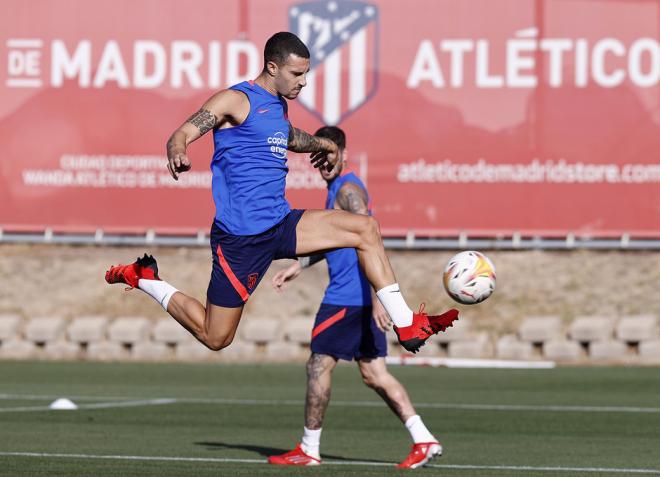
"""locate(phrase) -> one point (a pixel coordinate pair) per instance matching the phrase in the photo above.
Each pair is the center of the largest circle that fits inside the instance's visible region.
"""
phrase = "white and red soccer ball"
(469, 277)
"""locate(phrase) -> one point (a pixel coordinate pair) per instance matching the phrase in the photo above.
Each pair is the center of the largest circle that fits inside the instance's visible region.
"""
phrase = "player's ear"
(272, 68)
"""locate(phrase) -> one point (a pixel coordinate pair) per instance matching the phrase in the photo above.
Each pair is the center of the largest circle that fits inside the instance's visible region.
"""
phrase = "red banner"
(474, 115)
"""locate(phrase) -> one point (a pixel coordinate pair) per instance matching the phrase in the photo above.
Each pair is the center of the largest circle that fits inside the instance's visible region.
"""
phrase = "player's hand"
(178, 162)
(381, 317)
(282, 277)
(328, 157)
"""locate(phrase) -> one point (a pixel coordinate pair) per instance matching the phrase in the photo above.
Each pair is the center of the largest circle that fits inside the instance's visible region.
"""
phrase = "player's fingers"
(185, 163)
(278, 279)
(380, 325)
(176, 162)
(319, 162)
(383, 321)
(172, 171)
(317, 156)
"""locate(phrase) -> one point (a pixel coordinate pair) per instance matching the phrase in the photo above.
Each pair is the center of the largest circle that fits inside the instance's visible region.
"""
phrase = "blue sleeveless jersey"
(249, 166)
(348, 285)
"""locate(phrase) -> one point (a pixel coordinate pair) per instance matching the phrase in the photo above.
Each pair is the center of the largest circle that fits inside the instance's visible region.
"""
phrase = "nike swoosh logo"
(395, 291)
(261, 111)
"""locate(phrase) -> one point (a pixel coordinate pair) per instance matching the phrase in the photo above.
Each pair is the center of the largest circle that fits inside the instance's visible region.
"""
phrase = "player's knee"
(372, 380)
(371, 229)
(219, 342)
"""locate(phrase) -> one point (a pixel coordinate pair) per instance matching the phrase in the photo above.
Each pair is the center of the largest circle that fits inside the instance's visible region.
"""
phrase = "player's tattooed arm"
(300, 141)
(177, 159)
(204, 120)
(352, 199)
(324, 152)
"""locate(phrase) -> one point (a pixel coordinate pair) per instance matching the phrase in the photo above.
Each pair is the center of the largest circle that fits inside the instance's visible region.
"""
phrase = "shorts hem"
(343, 356)
(225, 305)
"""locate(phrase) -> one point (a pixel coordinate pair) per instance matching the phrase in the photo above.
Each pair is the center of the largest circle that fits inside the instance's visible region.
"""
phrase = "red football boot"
(414, 336)
(145, 267)
(441, 322)
(420, 454)
(295, 457)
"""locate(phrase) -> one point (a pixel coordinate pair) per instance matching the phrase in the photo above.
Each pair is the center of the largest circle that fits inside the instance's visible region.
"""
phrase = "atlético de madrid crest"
(342, 37)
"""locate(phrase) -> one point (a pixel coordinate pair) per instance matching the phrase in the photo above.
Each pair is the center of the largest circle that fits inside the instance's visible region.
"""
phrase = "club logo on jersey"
(342, 37)
(252, 280)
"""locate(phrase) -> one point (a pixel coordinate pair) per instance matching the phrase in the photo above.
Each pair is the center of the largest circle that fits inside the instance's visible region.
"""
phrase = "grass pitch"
(224, 420)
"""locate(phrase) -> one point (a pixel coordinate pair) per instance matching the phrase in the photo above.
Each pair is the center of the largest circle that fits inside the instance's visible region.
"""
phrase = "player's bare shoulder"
(226, 108)
(352, 198)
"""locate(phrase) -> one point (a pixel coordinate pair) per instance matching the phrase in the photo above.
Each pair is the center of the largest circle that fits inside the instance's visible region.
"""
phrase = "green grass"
(353, 431)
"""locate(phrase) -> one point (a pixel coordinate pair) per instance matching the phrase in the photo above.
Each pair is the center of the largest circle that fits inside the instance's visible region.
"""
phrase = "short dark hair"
(333, 133)
(281, 45)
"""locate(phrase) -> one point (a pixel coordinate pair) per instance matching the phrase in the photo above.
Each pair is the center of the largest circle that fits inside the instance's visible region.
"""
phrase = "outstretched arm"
(227, 106)
(324, 151)
(284, 276)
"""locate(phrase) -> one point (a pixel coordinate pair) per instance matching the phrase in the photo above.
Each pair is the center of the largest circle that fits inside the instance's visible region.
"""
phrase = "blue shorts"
(240, 262)
(347, 332)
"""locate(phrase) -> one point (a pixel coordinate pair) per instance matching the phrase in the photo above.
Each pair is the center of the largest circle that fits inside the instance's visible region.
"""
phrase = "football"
(469, 277)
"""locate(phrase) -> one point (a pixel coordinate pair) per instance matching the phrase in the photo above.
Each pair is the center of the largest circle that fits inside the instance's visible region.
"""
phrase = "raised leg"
(320, 230)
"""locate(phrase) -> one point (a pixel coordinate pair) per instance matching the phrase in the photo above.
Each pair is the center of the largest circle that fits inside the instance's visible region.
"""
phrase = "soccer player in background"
(347, 327)
(254, 223)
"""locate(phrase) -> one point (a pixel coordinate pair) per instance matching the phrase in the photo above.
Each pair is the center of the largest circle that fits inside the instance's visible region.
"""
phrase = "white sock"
(158, 289)
(418, 430)
(396, 306)
(311, 442)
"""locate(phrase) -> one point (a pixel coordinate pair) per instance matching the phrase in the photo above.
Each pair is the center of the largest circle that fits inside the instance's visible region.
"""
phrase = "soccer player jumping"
(254, 223)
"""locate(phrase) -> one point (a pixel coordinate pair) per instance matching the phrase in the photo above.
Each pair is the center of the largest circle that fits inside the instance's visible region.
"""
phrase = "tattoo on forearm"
(203, 120)
(351, 200)
(318, 393)
(300, 141)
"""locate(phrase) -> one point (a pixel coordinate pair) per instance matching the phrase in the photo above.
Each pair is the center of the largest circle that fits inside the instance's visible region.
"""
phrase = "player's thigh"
(327, 229)
(222, 322)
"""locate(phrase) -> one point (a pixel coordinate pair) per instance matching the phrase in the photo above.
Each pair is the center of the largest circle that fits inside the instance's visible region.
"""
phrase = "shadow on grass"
(268, 451)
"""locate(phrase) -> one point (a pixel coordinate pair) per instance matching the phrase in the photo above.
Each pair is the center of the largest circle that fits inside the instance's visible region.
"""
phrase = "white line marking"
(329, 462)
(294, 402)
(476, 407)
(99, 405)
(41, 397)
